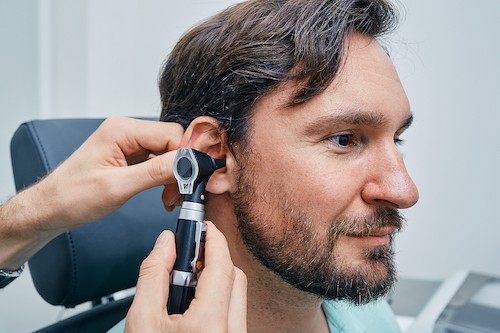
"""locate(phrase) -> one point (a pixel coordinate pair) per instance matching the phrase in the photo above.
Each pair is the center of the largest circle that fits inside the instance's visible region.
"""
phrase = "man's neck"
(273, 304)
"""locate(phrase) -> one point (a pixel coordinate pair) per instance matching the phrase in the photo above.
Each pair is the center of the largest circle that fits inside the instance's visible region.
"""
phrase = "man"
(307, 109)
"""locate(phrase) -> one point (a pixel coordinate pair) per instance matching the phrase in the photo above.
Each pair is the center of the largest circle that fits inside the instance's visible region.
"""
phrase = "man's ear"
(205, 134)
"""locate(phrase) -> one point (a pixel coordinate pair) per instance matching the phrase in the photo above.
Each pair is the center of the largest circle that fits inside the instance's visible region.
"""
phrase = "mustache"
(365, 225)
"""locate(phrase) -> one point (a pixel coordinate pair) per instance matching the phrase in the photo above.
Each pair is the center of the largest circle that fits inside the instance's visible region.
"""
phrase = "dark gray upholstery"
(98, 259)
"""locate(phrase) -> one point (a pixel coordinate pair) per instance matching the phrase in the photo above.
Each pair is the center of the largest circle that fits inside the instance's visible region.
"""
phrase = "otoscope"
(192, 169)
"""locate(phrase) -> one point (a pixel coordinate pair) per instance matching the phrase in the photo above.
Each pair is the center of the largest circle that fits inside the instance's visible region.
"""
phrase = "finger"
(152, 287)
(237, 321)
(213, 292)
(153, 172)
(136, 135)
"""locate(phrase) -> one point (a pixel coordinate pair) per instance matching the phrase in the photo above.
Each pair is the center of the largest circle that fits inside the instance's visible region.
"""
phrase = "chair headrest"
(100, 258)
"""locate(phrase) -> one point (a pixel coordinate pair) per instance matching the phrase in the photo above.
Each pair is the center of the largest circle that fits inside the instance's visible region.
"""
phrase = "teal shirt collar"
(342, 317)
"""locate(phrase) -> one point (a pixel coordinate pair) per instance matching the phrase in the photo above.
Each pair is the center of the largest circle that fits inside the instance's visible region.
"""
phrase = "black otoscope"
(192, 169)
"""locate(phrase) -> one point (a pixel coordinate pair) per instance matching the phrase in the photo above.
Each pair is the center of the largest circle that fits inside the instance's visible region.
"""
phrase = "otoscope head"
(192, 167)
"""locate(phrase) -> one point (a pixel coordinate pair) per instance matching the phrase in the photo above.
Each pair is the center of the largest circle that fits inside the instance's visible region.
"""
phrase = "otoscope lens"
(184, 168)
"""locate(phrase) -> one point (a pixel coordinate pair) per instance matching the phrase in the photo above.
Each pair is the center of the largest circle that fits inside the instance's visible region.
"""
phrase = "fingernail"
(162, 240)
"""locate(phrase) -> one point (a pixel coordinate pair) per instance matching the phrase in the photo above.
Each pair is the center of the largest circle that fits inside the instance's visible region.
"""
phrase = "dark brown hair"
(224, 65)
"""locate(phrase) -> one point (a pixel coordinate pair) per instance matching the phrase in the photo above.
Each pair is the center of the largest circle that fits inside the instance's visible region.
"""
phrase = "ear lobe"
(205, 134)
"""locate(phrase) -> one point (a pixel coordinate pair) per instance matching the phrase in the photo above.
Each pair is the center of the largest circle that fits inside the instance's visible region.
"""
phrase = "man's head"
(310, 109)
(223, 66)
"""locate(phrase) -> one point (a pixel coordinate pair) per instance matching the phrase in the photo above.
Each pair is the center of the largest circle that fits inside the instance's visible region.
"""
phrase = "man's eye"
(343, 140)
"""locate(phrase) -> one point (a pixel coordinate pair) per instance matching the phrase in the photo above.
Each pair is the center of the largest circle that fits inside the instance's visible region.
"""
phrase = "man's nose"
(389, 183)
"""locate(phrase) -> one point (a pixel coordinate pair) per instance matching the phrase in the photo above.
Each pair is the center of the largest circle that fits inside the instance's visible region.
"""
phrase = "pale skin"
(366, 173)
(335, 155)
(220, 300)
(122, 158)
(90, 184)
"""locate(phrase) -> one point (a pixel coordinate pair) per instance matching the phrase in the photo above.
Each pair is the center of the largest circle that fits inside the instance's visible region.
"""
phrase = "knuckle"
(229, 272)
(151, 267)
(178, 129)
(157, 171)
(113, 120)
(109, 122)
(109, 125)
(176, 132)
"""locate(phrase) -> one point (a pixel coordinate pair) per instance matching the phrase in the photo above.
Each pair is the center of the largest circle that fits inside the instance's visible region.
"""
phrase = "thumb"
(150, 173)
(151, 295)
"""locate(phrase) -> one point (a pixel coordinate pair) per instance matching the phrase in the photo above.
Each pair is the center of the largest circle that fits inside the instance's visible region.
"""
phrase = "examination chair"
(90, 263)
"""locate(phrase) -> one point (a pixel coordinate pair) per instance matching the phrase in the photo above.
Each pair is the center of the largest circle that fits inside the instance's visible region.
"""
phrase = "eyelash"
(350, 137)
(398, 142)
(335, 139)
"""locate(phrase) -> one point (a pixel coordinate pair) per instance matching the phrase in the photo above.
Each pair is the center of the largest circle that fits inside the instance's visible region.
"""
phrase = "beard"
(307, 259)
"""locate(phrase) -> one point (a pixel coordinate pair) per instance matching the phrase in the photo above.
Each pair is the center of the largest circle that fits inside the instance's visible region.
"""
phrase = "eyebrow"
(407, 123)
(352, 117)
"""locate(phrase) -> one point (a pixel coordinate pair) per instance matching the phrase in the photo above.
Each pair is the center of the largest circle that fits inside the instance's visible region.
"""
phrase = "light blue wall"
(447, 53)
(18, 102)
(18, 77)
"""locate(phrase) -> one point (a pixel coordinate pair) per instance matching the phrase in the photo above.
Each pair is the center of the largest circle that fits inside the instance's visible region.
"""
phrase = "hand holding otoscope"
(221, 282)
(192, 169)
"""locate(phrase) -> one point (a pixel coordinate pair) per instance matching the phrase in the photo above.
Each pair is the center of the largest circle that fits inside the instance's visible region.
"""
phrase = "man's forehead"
(366, 90)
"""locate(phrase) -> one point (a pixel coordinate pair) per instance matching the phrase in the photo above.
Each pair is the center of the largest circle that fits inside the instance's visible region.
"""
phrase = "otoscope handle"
(179, 299)
(192, 169)
(190, 246)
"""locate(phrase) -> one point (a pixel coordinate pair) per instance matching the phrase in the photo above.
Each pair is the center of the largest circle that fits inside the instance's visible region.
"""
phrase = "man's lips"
(378, 237)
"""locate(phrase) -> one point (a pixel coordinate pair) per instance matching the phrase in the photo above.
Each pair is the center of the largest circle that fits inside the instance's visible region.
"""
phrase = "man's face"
(321, 185)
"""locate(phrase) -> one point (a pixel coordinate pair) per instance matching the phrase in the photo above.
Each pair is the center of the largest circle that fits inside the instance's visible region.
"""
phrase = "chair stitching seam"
(41, 146)
(73, 263)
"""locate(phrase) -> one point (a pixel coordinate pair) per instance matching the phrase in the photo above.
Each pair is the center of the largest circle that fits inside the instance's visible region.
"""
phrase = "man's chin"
(357, 275)
(364, 280)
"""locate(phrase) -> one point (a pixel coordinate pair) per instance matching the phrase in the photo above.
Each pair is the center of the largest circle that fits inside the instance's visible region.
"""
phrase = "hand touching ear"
(123, 157)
